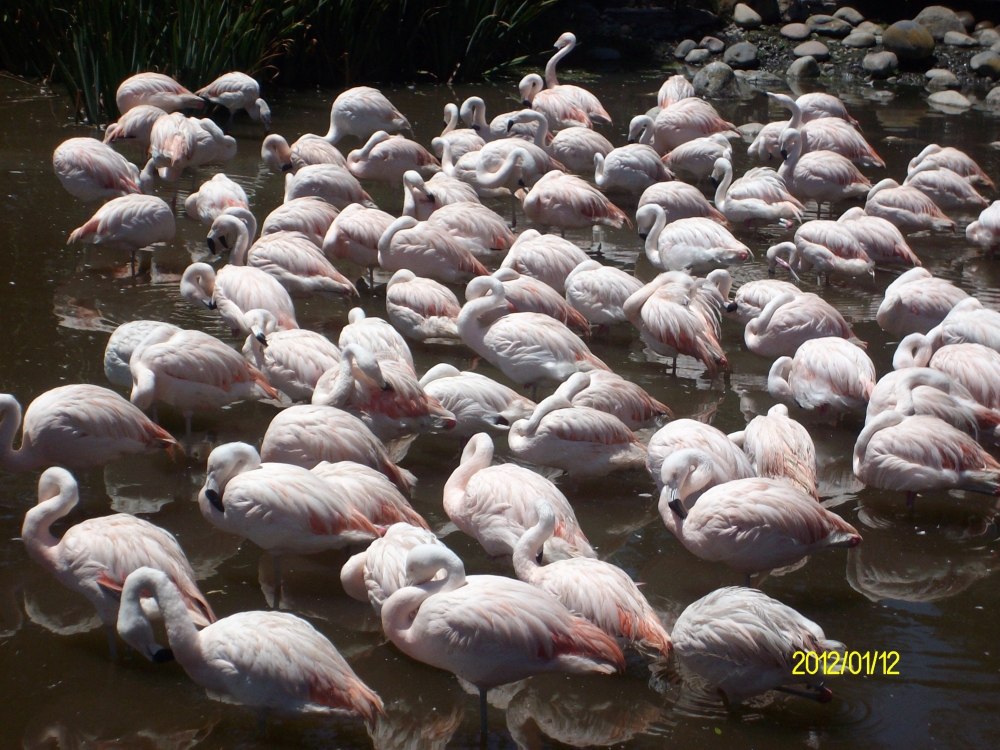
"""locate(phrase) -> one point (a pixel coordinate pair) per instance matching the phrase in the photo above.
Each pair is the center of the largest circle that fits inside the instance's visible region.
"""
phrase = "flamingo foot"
(910, 499)
(277, 584)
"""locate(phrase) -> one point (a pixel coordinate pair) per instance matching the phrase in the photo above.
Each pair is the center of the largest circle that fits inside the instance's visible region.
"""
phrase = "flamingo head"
(276, 153)
(529, 86)
(566, 39)
(683, 473)
(260, 323)
(424, 561)
(134, 624)
(645, 217)
(468, 111)
(363, 362)
(224, 463)
(263, 113)
(790, 138)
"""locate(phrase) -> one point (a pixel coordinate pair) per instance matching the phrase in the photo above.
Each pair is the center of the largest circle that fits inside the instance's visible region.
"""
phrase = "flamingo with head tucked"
(134, 125)
(236, 290)
(694, 244)
(955, 160)
(236, 91)
(906, 207)
(354, 235)
(728, 462)
(568, 202)
(90, 170)
(826, 375)
(949, 190)
(916, 302)
(633, 167)
(576, 148)
(681, 201)
(598, 292)
(426, 250)
(309, 216)
(789, 320)
(780, 448)
(528, 294)
(674, 89)
(479, 403)
(420, 308)
(376, 336)
(546, 257)
(307, 150)
(157, 90)
(985, 231)
(974, 366)
(328, 182)
(386, 158)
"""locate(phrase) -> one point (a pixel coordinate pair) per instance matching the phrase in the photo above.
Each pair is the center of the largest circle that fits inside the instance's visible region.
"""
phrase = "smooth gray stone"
(716, 80)
(795, 31)
(850, 15)
(814, 49)
(746, 17)
(939, 20)
(804, 67)
(986, 64)
(742, 55)
(712, 44)
(682, 48)
(880, 64)
(859, 39)
(829, 26)
(697, 56)
(909, 40)
(959, 39)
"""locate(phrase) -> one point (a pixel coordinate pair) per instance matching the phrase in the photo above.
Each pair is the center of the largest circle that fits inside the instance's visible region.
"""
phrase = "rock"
(909, 40)
(746, 17)
(880, 64)
(682, 49)
(804, 67)
(763, 80)
(995, 48)
(712, 44)
(859, 39)
(829, 26)
(986, 64)
(939, 21)
(795, 31)
(993, 98)
(968, 20)
(959, 39)
(768, 10)
(984, 25)
(869, 27)
(742, 55)
(949, 99)
(850, 15)
(716, 80)
(697, 56)
(828, 68)
(935, 72)
(987, 37)
(943, 81)
(814, 49)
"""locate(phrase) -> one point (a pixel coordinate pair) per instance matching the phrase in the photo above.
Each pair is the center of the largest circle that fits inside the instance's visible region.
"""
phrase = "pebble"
(829, 26)
(988, 37)
(909, 40)
(935, 72)
(959, 39)
(742, 55)
(682, 49)
(746, 17)
(993, 98)
(850, 15)
(814, 49)
(712, 44)
(859, 39)
(804, 67)
(951, 99)
(716, 80)
(871, 28)
(880, 64)
(943, 81)
(986, 64)
(697, 56)
(939, 20)
(762, 79)
(995, 48)
(795, 31)
(984, 25)
(968, 20)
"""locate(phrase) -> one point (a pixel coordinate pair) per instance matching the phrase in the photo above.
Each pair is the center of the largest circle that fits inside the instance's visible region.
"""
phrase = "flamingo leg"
(910, 499)
(187, 426)
(483, 706)
(513, 212)
(133, 262)
(371, 279)
(748, 583)
(112, 643)
(277, 583)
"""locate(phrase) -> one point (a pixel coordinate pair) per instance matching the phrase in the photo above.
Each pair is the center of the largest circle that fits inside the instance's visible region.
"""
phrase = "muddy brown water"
(921, 584)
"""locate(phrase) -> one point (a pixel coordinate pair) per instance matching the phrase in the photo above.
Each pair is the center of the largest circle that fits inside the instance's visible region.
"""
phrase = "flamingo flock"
(536, 313)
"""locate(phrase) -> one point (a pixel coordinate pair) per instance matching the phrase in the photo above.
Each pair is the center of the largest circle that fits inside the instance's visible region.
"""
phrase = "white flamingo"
(879, 238)
(598, 292)
(234, 291)
(420, 308)
(385, 158)
(328, 182)
(563, 105)
(821, 176)
(422, 199)
(122, 343)
(611, 393)
(568, 202)
(955, 160)
(751, 298)
(749, 210)
(480, 226)
(309, 149)
(90, 170)
(694, 244)
(528, 294)
(906, 207)
(134, 125)
(634, 167)
(376, 336)
(681, 201)
(789, 320)
(157, 90)
(354, 236)
(985, 231)
(949, 190)
(310, 216)
(546, 257)
(684, 121)
(460, 140)
(236, 91)
(479, 403)
(426, 250)
(674, 89)
(214, 197)
(916, 302)
(698, 157)
(128, 224)
(829, 376)
(780, 448)
(361, 111)
(576, 148)
(727, 463)
(972, 365)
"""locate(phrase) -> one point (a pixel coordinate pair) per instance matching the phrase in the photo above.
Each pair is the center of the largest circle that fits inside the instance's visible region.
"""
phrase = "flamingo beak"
(162, 656)
(643, 235)
(631, 140)
(212, 495)
(510, 124)
(676, 504)
(731, 307)
(286, 167)
(526, 104)
(210, 304)
(476, 128)
(211, 245)
(784, 154)
(430, 197)
(259, 335)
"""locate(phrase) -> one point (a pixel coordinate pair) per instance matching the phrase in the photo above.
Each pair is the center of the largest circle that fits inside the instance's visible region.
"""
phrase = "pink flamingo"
(922, 454)
(128, 224)
(780, 448)
(949, 190)
(473, 113)
(91, 171)
(377, 337)
(214, 197)
(576, 148)
(743, 207)
(828, 251)
(236, 91)
(307, 150)
(681, 201)
(826, 375)
(974, 366)
(268, 661)
(698, 157)
(427, 251)
(822, 176)
(134, 125)
(494, 504)
(460, 140)
(968, 322)
(906, 207)
(562, 104)
(916, 302)
(422, 199)
(310, 216)
(789, 320)
(743, 643)
(751, 298)
(580, 440)
(157, 90)
(236, 290)
(354, 236)
(95, 556)
(598, 591)
(546, 257)
(479, 403)
(955, 160)
(489, 630)
(613, 394)
(568, 202)
(473, 222)
(985, 231)
(512, 165)
(306, 435)
(378, 572)
(695, 244)
(173, 140)
(728, 461)
(633, 167)
(420, 308)
(385, 158)
(361, 111)
(879, 238)
(328, 182)
(598, 292)
(122, 343)
(527, 294)
(674, 89)
(684, 121)
(827, 133)
(76, 426)
(378, 499)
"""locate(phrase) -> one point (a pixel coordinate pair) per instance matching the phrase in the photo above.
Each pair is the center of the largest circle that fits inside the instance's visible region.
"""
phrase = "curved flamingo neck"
(777, 379)
(238, 256)
(550, 67)
(792, 106)
(10, 420)
(541, 127)
(914, 350)
(502, 176)
(792, 160)
(182, 634)
(646, 123)
(598, 170)
(478, 455)
(723, 189)
(474, 317)
(42, 546)
(762, 321)
(555, 402)
(528, 547)
(451, 113)
(652, 246)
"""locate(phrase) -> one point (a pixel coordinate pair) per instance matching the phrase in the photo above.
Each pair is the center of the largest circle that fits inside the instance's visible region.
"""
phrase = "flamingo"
(380, 571)
(212, 146)
(268, 661)
(95, 556)
(78, 427)
(576, 148)
(752, 525)
(309, 149)
(953, 159)
(122, 343)
(789, 320)
(579, 96)
(236, 91)
(674, 315)
(728, 462)
(172, 143)
(386, 395)
(743, 643)
(568, 202)
(563, 105)
(214, 197)
(695, 244)
(371, 492)
(354, 236)
(376, 336)
(480, 226)
(906, 207)
(674, 89)
(90, 170)
(826, 134)
(751, 298)
(972, 365)
(460, 140)
(328, 182)
(157, 90)
(495, 505)
(527, 294)
(778, 447)
(968, 322)
(361, 111)
(473, 113)
(879, 238)
(822, 176)
(293, 360)
(634, 167)
(128, 224)
(236, 290)
(306, 435)
(681, 201)
(193, 371)
(829, 251)
(598, 292)
(613, 394)
(698, 157)
(512, 165)
(546, 257)
(310, 216)
(580, 440)
(422, 199)
(749, 210)
(949, 190)
(683, 121)
(479, 403)
(385, 158)
(421, 309)
(529, 348)
(985, 231)
(826, 375)
(282, 508)
(598, 591)
(134, 125)
(489, 630)
(426, 250)
(916, 302)
(922, 454)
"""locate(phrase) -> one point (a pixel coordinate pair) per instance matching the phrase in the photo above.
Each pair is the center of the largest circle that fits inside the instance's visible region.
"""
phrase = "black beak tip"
(678, 508)
(386, 388)
(631, 140)
(224, 242)
(731, 307)
(510, 124)
(211, 245)
(286, 167)
(213, 497)
(476, 128)
(163, 656)
(715, 181)
(643, 235)
(526, 104)
(784, 154)
(261, 338)
(210, 304)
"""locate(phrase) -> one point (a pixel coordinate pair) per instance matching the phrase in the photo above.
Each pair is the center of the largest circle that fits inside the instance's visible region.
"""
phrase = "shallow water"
(921, 584)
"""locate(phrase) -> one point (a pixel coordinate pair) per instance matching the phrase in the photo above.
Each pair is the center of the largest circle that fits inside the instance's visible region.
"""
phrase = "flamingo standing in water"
(460, 140)
(694, 244)
(598, 292)
(236, 91)
(90, 171)
(985, 231)
(122, 343)
(173, 142)
(906, 207)
(968, 322)
(426, 250)
(136, 125)
(922, 454)
(310, 216)
(420, 308)
(698, 157)
(354, 235)
(598, 591)
(473, 113)
(95, 556)
(478, 403)
(328, 182)
(236, 290)
(375, 336)
(879, 238)
(789, 320)
(386, 158)
(268, 661)
(949, 190)
(613, 394)
(309, 149)
(563, 105)
(827, 375)
(546, 257)
(378, 499)
(495, 505)
(822, 176)
(157, 90)
(76, 426)
(478, 225)
(422, 199)
(751, 298)
(529, 348)
(361, 111)
(568, 202)
(674, 89)
(974, 366)
(743, 643)
(214, 197)
(916, 302)
(830, 251)
(728, 461)
(684, 121)
(633, 167)
(955, 160)
(681, 201)
(749, 209)
(576, 148)
(512, 165)
(128, 224)
(780, 448)
(528, 294)
(489, 630)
